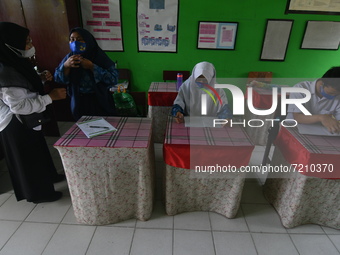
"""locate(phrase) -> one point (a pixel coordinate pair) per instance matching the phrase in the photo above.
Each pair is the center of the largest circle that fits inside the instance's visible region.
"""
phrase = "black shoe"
(58, 178)
(56, 196)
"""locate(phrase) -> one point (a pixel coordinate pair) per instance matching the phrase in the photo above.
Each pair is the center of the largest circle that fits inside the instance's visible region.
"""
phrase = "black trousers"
(29, 161)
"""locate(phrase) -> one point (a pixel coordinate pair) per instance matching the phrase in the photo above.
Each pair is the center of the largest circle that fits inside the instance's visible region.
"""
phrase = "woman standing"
(28, 159)
(89, 73)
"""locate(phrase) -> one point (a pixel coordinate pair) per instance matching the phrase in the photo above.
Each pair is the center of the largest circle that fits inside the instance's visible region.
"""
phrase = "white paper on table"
(95, 127)
(200, 121)
(314, 129)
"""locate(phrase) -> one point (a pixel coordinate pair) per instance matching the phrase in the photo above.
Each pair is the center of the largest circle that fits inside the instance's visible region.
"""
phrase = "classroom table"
(306, 195)
(262, 99)
(161, 96)
(186, 148)
(110, 176)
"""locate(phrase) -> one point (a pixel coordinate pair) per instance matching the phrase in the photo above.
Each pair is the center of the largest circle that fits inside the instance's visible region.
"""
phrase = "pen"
(98, 127)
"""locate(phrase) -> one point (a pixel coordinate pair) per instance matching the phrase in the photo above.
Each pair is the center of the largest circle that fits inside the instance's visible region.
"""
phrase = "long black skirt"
(29, 161)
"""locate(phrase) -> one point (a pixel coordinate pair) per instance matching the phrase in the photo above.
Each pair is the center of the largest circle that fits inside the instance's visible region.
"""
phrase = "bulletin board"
(102, 18)
(157, 25)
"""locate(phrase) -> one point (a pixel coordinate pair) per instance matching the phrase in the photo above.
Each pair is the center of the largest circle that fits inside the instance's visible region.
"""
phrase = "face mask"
(324, 94)
(22, 53)
(200, 82)
(77, 47)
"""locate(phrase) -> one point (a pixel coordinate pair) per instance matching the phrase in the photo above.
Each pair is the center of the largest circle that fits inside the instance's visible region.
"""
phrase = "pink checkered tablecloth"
(307, 151)
(131, 133)
(186, 147)
(110, 176)
(188, 190)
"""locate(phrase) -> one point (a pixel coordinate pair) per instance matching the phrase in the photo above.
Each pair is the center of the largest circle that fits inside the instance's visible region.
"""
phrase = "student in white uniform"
(189, 101)
(324, 104)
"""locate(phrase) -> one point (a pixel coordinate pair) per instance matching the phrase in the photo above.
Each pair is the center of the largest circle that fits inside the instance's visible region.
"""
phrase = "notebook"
(314, 129)
(95, 127)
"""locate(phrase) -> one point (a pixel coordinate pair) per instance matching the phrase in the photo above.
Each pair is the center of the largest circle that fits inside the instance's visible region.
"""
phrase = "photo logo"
(203, 87)
(238, 103)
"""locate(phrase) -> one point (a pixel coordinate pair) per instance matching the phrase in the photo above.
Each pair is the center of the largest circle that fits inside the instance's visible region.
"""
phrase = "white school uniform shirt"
(15, 101)
(189, 94)
(315, 105)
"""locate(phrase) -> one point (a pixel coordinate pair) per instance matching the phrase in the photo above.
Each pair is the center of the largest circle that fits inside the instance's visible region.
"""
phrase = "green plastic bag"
(125, 105)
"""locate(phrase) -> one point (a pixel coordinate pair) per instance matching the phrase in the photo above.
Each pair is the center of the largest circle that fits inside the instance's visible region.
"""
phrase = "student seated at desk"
(188, 101)
(324, 104)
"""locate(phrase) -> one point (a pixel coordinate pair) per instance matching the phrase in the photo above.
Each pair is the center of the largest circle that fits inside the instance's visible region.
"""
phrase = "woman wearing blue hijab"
(89, 73)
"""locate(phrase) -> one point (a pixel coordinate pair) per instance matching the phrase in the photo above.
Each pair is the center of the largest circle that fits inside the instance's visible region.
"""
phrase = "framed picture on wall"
(329, 7)
(217, 35)
(157, 25)
(276, 38)
(104, 22)
(321, 35)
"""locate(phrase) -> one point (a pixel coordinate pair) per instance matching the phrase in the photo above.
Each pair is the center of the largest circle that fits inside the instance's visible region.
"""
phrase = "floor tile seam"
(11, 194)
(89, 244)
(55, 231)
(132, 239)
(212, 233)
(11, 235)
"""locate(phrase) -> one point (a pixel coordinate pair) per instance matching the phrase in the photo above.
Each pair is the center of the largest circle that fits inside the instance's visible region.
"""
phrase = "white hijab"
(189, 94)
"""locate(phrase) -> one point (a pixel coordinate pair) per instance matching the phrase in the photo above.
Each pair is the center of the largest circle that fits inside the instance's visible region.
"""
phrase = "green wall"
(251, 15)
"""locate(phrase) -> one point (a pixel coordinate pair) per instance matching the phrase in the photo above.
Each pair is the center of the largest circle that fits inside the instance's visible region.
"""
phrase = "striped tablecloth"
(110, 177)
(309, 151)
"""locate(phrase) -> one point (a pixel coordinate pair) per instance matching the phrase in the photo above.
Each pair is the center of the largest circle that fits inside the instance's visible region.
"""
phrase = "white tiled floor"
(51, 228)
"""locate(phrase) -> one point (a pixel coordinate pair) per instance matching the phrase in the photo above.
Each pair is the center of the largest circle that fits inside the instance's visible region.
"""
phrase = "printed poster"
(217, 35)
(102, 18)
(157, 25)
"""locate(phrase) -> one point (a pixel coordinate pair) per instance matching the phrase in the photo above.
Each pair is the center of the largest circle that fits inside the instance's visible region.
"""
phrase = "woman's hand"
(45, 76)
(58, 94)
(86, 64)
(73, 61)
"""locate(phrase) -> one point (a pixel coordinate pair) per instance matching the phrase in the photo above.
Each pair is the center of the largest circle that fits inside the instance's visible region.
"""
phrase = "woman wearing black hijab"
(89, 73)
(21, 93)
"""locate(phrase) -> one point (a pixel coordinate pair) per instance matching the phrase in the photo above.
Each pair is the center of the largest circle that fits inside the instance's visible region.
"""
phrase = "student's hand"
(73, 61)
(330, 123)
(179, 117)
(58, 94)
(86, 64)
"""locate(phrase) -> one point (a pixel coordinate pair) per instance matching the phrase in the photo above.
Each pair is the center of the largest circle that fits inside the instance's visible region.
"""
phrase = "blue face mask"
(324, 94)
(77, 47)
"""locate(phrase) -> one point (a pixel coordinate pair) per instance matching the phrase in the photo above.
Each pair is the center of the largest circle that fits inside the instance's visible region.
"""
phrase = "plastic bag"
(124, 102)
